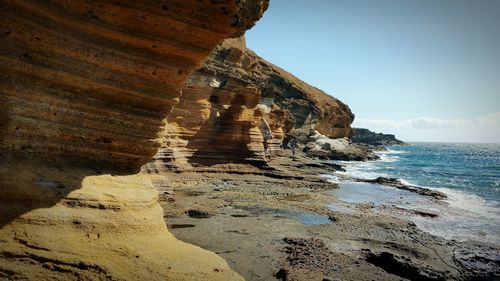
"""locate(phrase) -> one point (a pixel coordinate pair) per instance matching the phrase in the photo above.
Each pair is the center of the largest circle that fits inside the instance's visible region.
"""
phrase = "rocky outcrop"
(244, 107)
(307, 259)
(478, 262)
(230, 63)
(92, 82)
(365, 136)
(85, 89)
(412, 188)
(213, 127)
(316, 145)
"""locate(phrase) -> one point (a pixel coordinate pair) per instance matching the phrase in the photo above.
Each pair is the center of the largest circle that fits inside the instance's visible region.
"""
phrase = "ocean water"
(469, 174)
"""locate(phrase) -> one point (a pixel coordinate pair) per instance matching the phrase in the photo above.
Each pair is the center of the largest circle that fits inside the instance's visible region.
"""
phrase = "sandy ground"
(269, 227)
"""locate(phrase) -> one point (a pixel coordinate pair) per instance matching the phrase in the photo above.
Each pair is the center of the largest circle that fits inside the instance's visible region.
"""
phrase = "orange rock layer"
(213, 126)
(84, 90)
(238, 108)
(91, 82)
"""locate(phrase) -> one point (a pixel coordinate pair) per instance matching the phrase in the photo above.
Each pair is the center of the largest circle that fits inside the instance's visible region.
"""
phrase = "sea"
(469, 174)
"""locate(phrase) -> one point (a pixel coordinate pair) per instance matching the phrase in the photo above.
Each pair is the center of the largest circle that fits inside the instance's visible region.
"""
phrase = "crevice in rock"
(399, 266)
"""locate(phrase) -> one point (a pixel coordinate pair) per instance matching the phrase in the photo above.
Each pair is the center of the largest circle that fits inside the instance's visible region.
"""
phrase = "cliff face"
(237, 109)
(232, 63)
(85, 89)
(93, 81)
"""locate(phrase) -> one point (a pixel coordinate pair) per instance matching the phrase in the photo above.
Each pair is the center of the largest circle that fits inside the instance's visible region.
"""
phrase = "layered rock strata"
(93, 81)
(212, 127)
(244, 106)
(85, 89)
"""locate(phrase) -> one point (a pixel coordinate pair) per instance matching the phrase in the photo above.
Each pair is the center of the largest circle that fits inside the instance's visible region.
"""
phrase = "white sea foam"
(460, 229)
(332, 178)
(403, 181)
(384, 157)
(471, 204)
(362, 170)
(462, 220)
(465, 201)
(462, 216)
(392, 151)
(389, 155)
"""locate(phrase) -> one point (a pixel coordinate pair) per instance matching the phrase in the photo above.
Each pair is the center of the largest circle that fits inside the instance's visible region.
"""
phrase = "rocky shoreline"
(105, 101)
(282, 228)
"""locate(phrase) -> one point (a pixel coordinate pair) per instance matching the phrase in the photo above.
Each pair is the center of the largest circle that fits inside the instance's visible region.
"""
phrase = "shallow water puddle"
(302, 217)
(341, 208)
(311, 219)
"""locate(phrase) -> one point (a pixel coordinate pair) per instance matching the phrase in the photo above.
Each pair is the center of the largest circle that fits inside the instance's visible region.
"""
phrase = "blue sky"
(426, 70)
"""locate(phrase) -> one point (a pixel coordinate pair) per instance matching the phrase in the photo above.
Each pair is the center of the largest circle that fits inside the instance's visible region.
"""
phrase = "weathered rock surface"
(92, 82)
(212, 127)
(478, 262)
(85, 89)
(320, 243)
(365, 136)
(239, 110)
(307, 259)
(316, 145)
(233, 64)
(110, 228)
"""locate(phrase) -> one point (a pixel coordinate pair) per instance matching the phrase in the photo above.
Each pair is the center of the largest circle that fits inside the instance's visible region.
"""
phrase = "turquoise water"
(469, 174)
(473, 168)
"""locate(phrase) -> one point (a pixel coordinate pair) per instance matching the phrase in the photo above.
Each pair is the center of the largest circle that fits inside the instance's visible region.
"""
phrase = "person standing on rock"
(266, 132)
(293, 145)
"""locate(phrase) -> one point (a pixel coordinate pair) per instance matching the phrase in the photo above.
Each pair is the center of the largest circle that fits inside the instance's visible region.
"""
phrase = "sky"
(426, 70)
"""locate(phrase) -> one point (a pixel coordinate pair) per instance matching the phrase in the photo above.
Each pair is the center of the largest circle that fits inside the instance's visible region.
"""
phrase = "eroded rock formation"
(239, 109)
(307, 105)
(316, 145)
(212, 126)
(85, 87)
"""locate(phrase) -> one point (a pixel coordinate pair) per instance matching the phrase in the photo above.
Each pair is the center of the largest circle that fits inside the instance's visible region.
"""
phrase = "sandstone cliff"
(85, 88)
(238, 108)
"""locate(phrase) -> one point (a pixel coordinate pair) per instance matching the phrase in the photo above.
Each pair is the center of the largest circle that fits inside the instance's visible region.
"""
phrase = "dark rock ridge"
(403, 267)
(400, 185)
(308, 259)
(365, 136)
(478, 262)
